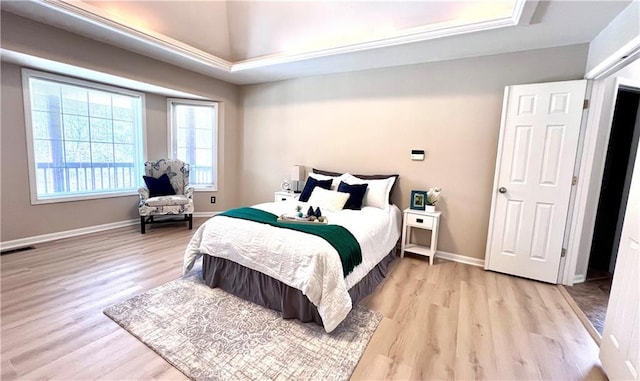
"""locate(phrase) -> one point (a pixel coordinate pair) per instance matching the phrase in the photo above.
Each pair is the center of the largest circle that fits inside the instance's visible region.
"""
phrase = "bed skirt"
(266, 291)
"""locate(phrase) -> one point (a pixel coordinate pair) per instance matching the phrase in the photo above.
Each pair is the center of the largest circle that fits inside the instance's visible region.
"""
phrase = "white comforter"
(301, 260)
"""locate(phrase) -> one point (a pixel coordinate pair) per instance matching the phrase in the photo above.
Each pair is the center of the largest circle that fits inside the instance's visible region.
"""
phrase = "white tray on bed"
(299, 220)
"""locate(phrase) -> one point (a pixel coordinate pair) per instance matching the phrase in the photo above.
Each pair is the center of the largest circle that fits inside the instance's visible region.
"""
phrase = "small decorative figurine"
(318, 213)
(310, 212)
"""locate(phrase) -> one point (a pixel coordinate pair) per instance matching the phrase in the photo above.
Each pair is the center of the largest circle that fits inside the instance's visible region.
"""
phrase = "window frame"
(27, 75)
(172, 134)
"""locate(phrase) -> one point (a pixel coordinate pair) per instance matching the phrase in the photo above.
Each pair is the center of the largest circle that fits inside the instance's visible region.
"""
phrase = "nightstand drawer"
(285, 196)
(424, 222)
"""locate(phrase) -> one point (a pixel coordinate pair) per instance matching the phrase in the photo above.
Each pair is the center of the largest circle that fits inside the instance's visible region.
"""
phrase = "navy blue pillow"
(356, 194)
(312, 183)
(160, 186)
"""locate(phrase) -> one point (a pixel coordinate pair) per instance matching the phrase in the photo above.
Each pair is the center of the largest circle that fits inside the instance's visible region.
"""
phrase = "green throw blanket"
(340, 238)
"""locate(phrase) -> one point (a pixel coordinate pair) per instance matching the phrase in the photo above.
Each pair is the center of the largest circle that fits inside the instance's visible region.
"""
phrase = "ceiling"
(247, 42)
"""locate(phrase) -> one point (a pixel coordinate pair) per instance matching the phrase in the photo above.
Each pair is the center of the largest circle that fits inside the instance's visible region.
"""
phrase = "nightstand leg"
(434, 241)
(404, 240)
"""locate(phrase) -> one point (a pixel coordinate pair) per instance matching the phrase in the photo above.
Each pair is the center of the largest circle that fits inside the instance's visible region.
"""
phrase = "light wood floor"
(447, 321)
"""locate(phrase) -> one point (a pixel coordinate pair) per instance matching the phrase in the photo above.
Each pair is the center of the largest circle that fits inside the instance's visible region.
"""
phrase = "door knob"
(502, 190)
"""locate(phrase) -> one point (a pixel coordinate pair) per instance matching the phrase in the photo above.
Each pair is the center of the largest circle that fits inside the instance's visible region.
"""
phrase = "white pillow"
(328, 200)
(335, 179)
(377, 194)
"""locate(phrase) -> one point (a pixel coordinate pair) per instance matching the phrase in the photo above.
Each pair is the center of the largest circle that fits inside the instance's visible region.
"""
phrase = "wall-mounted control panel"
(417, 154)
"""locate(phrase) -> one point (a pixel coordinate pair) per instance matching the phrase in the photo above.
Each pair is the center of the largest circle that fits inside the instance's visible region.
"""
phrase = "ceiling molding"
(524, 11)
(101, 19)
(406, 37)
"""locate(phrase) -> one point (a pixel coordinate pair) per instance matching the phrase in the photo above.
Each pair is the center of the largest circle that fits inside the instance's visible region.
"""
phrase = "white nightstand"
(282, 196)
(421, 220)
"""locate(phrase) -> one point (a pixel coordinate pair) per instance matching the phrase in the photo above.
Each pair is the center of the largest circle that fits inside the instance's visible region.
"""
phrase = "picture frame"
(418, 199)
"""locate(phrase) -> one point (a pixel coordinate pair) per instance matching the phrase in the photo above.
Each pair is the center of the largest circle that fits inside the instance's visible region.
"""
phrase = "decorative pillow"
(362, 177)
(356, 194)
(327, 199)
(335, 180)
(312, 183)
(381, 177)
(160, 186)
(377, 191)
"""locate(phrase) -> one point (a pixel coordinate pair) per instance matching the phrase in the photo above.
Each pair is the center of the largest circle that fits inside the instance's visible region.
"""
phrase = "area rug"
(209, 334)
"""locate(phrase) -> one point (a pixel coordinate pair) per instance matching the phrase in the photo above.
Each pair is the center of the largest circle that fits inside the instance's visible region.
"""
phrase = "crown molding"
(100, 19)
(408, 36)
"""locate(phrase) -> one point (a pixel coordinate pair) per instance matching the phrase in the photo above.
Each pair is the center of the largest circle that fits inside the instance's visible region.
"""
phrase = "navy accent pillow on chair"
(312, 183)
(356, 194)
(160, 186)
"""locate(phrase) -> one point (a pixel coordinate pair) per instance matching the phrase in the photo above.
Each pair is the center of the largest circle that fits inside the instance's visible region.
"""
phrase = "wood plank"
(446, 321)
(516, 361)
(383, 368)
(436, 358)
(475, 353)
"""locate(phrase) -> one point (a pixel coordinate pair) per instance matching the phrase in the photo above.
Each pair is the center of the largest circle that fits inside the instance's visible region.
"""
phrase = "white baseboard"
(460, 258)
(579, 278)
(205, 214)
(28, 241)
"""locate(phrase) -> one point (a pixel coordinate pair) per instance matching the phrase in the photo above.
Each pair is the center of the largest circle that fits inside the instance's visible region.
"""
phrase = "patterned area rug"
(209, 334)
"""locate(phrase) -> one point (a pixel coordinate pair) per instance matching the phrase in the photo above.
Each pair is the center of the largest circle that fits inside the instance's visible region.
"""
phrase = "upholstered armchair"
(167, 192)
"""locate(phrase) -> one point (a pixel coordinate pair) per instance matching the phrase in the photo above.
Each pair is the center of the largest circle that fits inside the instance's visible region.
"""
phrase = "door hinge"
(574, 181)
(563, 253)
(585, 104)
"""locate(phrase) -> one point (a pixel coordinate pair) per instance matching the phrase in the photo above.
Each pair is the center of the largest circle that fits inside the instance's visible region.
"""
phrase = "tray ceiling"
(257, 41)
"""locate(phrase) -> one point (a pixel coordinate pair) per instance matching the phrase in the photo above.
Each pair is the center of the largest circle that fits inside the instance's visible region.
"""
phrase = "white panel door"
(534, 170)
(620, 347)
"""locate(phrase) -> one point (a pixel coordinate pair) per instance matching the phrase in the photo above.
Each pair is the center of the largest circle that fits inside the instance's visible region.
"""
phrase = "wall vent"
(11, 251)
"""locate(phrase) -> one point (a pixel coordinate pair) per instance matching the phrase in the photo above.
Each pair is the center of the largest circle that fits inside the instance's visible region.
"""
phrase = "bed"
(294, 272)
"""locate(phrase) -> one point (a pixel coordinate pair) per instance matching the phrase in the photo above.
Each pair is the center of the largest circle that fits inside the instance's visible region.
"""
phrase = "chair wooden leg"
(142, 223)
(190, 221)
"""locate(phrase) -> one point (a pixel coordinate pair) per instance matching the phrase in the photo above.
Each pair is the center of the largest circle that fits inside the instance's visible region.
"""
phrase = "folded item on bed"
(337, 236)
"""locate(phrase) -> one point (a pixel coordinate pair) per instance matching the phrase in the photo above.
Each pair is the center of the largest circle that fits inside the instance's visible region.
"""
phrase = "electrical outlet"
(213, 199)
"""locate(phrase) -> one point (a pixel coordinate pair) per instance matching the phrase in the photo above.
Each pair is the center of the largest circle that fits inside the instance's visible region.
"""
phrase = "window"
(193, 139)
(85, 139)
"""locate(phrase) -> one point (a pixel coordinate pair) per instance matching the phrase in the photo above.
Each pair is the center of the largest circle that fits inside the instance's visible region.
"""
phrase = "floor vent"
(11, 251)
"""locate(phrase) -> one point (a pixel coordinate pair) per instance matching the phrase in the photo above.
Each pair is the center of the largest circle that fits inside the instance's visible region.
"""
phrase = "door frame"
(596, 140)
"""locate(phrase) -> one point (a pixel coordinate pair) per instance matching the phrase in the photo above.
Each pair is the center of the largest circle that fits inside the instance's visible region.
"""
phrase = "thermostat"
(417, 154)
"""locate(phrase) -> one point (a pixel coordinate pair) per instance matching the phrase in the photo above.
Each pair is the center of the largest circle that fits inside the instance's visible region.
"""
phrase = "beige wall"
(363, 122)
(368, 122)
(20, 219)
